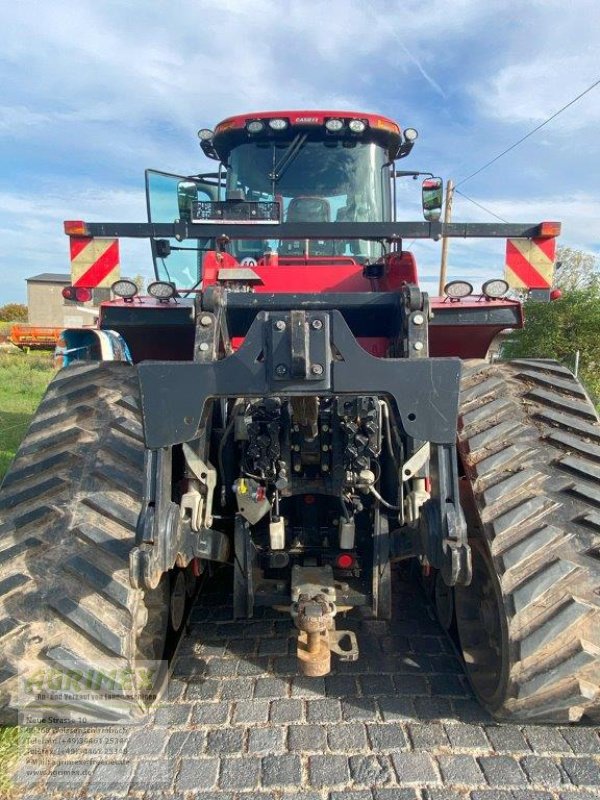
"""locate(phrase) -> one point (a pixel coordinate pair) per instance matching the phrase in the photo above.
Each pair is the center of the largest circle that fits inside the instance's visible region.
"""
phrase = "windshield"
(323, 182)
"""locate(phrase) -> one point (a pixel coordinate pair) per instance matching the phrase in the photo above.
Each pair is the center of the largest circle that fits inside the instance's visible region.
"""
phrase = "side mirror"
(432, 198)
(187, 194)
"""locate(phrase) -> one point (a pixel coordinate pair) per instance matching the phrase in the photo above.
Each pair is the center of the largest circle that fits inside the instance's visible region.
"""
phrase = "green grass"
(23, 381)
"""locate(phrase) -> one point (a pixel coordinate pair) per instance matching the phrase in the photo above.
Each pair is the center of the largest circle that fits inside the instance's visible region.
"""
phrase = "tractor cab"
(291, 167)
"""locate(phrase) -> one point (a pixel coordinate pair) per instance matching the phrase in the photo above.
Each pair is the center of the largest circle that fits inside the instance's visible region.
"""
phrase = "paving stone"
(353, 794)
(251, 711)
(273, 647)
(287, 710)
(173, 714)
(281, 771)
(242, 647)
(542, 770)
(386, 736)
(237, 689)
(546, 739)
(492, 794)
(469, 710)
(507, 739)
(253, 667)
(433, 708)
(396, 708)
(242, 772)
(442, 794)
(271, 687)
(176, 742)
(325, 710)
(210, 713)
(411, 685)
(449, 685)
(194, 745)
(306, 738)
(198, 772)
(203, 690)
(415, 768)
(502, 771)
(155, 774)
(395, 793)
(326, 771)
(371, 770)
(112, 777)
(266, 741)
(467, 737)
(531, 794)
(70, 775)
(359, 710)
(227, 740)
(583, 741)
(285, 665)
(308, 687)
(347, 737)
(427, 737)
(583, 771)
(373, 685)
(460, 770)
(222, 668)
(147, 742)
(340, 686)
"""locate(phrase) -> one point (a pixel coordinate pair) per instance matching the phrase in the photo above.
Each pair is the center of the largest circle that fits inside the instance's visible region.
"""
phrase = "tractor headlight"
(125, 289)
(205, 134)
(495, 288)
(255, 126)
(357, 126)
(457, 289)
(278, 124)
(410, 135)
(334, 125)
(161, 290)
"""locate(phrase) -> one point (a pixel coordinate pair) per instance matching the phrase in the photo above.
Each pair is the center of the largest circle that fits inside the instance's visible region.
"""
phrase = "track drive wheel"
(68, 509)
(529, 622)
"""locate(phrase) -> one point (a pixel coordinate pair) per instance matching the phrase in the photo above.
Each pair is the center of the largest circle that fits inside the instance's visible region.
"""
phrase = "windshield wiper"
(288, 157)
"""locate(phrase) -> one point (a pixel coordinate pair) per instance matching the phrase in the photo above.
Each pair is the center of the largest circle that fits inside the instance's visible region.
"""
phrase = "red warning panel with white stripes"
(94, 262)
(530, 263)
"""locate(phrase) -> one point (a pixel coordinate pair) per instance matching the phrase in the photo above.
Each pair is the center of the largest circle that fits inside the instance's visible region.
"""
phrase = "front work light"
(334, 125)
(410, 134)
(357, 126)
(125, 289)
(495, 288)
(205, 134)
(161, 290)
(457, 289)
(255, 126)
(278, 124)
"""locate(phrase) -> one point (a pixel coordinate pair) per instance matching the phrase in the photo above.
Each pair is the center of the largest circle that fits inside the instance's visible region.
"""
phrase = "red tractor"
(287, 401)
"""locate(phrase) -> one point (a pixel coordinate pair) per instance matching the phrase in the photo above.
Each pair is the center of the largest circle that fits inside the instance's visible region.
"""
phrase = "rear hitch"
(313, 611)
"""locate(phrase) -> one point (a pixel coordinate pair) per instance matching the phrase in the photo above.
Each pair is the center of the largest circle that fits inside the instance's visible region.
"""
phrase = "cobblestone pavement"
(241, 724)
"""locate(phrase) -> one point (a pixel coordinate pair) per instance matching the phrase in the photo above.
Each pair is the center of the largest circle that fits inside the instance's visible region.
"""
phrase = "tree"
(561, 328)
(13, 312)
(576, 269)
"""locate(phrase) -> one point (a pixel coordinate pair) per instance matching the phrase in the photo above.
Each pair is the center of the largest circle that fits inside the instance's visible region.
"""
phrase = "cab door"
(169, 198)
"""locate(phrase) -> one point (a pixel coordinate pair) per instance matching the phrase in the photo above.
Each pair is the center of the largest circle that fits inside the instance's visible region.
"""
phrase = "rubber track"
(529, 441)
(68, 508)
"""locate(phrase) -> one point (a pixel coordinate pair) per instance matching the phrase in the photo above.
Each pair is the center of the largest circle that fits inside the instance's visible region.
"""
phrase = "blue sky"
(93, 93)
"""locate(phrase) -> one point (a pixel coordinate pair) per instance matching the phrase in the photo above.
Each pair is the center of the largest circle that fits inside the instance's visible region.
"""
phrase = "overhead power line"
(479, 205)
(527, 135)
